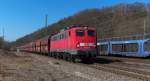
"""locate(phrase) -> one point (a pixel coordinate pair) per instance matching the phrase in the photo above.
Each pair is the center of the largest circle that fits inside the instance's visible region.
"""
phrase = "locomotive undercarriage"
(80, 56)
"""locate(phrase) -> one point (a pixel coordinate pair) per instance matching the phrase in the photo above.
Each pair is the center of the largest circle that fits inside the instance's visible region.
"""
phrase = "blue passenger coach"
(136, 47)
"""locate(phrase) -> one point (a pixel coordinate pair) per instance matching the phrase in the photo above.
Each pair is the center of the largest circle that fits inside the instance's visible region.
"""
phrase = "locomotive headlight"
(85, 44)
(82, 44)
(78, 45)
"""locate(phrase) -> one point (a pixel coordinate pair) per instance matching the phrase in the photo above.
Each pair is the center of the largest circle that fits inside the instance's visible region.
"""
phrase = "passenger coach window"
(80, 33)
(147, 46)
(91, 33)
(103, 47)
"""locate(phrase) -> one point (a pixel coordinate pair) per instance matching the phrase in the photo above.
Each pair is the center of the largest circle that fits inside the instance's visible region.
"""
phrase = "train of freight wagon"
(75, 43)
(79, 43)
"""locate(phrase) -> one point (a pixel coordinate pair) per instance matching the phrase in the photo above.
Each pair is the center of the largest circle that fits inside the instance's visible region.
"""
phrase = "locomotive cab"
(85, 38)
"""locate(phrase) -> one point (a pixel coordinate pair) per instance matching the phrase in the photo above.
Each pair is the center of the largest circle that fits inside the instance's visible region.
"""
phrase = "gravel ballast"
(32, 67)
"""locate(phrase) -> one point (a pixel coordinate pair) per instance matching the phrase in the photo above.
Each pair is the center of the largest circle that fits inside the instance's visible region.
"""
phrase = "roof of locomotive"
(72, 27)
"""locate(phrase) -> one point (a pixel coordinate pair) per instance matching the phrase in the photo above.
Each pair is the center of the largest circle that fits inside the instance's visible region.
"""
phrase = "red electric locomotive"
(73, 43)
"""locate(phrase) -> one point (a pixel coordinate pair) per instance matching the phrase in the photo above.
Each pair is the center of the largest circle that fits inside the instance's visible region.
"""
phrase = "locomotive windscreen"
(91, 33)
(80, 33)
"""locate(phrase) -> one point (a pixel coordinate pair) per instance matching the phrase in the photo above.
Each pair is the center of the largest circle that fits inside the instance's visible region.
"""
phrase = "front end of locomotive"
(86, 43)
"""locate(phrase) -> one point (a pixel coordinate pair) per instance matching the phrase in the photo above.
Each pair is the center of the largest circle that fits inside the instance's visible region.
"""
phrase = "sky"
(22, 17)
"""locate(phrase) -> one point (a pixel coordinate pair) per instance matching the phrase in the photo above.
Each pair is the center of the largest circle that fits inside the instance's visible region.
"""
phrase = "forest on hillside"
(118, 20)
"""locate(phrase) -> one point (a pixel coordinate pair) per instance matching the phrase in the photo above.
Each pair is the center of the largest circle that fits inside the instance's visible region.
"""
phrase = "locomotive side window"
(91, 33)
(63, 36)
(53, 38)
(66, 35)
(59, 37)
(80, 33)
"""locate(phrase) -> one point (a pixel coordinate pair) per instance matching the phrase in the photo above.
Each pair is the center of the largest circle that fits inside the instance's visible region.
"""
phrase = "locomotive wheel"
(71, 58)
(87, 60)
(74, 60)
(64, 57)
(50, 54)
(67, 59)
(57, 55)
(61, 56)
(54, 55)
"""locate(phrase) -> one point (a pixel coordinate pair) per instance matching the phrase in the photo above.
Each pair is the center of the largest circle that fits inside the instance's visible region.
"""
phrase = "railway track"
(134, 69)
(134, 66)
(120, 70)
(127, 59)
